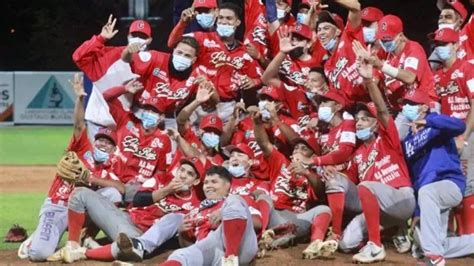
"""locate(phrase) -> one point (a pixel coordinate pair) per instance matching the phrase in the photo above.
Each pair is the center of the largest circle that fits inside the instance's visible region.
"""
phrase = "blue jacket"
(432, 155)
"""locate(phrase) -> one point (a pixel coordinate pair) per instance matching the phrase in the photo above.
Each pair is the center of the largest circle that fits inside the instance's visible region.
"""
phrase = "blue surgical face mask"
(364, 134)
(225, 30)
(310, 95)
(150, 120)
(369, 34)
(210, 139)
(236, 171)
(301, 17)
(206, 20)
(262, 105)
(325, 113)
(330, 45)
(443, 52)
(388, 46)
(100, 156)
(281, 13)
(411, 112)
(181, 63)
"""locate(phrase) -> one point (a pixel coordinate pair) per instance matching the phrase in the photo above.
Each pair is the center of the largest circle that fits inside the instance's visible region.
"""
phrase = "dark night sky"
(42, 34)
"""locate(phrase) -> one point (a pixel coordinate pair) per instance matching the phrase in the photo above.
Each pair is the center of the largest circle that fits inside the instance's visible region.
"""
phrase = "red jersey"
(413, 59)
(153, 67)
(341, 135)
(289, 192)
(341, 67)
(318, 53)
(466, 40)
(144, 217)
(225, 67)
(254, 9)
(143, 154)
(60, 190)
(455, 88)
(382, 160)
(245, 186)
(257, 35)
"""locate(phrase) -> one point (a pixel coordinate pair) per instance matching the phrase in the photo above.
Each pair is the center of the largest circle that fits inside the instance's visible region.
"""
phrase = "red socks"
(171, 263)
(467, 215)
(233, 233)
(371, 209)
(103, 253)
(264, 209)
(320, 226)
(75, 224)
(336, 204)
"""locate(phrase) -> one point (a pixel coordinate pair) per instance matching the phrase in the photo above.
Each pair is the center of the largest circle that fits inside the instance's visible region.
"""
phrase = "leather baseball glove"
(71, 169)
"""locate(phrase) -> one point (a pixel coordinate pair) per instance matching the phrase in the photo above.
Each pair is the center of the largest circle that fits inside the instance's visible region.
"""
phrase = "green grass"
(33, 145)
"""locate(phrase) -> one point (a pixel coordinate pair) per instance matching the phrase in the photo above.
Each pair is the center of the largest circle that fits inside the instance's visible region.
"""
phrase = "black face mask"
(296, 53)
(180, 75)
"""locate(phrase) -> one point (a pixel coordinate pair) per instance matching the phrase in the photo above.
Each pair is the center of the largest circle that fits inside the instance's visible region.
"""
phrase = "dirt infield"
(38, 179)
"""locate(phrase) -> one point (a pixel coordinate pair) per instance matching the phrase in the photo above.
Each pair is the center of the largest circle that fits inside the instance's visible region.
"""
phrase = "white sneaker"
(402, 243)
(319, 249)
(24, 247)
(56, 256)
(230, 261)
(90, 243)
(72, 254)
(131, 249)
(370, 253)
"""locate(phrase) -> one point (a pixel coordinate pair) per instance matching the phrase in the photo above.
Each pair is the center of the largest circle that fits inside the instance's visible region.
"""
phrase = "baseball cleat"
(265, 242)
(230, 261)
(131, 249)
(90, 243)
(440, 261)
(402, 243)
(370, 253)
(319, 249)
(72, 254)
(24, 247)
(56, 256)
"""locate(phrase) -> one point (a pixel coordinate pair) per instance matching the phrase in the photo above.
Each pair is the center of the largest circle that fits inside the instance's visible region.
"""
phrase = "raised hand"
(136, 47)
(78, 85)
(285, 40)
(133, 86)
(253, 52)
(173, 133)
(108, 31)
(188, 15)
(205, 91)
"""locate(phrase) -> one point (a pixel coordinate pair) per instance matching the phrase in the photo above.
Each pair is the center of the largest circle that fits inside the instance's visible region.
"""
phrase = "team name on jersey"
(242, 190)
(259, 35)
(130, 144)
(166, 206)
(221, 58)
(417, 142)
(450, 88)
(298, 77)
(282, 185)
(333, 75)
(163, 90)
(364, 166)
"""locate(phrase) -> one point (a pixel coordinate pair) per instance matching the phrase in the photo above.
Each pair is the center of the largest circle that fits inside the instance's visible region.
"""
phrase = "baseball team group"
(341, 134)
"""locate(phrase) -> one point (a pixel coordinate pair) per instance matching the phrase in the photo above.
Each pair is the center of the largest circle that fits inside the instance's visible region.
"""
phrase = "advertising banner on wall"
(43, 98)
(6, 98)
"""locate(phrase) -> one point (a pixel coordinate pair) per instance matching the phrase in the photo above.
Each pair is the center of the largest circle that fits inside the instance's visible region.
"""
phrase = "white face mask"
(281, 13)
(447, 26)
(137, 40)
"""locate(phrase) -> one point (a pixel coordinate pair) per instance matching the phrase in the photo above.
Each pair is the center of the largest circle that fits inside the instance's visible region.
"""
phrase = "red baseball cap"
(303, 31)
(140, 26)
(241, 147)
(305, 3)
(196, 164)
(107, 133)
(457, 6)
(310, 142)
(389, 27)
(272, 92)
(289, 2)
(417, 96)
(211, 121)
(333, 18)
(444, 35)
(205, 3)
(151, 100)
(371, 14)
(333, 95)
(369, 107)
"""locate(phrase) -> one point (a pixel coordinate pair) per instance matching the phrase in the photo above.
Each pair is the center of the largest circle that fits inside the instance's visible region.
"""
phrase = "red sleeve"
(113, 93)
(151, 184)
(352, 172)
(143, 62)
(390, 133)
(469, 29)
(118, 113)
(164, 153)
(275, 161)
(413, 60)
(93, 58)
(80, 144)
(469, 79)
(252, 69)
(340, 156)
(354, 33)
(176, 34)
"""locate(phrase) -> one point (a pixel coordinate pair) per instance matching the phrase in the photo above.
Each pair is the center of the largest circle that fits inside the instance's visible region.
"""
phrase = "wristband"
(390, 70)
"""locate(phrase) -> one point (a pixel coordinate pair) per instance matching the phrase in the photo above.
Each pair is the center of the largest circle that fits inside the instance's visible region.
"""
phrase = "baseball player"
(292, 63)
(173, 78)
(102, 64)
(293, 189)
(455, 87)
(96, 157)
(222, 228)
(143, 148)
(157, 197)
(439, 183)
(227, 64)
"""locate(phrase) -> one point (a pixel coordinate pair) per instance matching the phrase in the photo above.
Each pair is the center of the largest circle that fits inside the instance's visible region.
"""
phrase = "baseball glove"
(281, 236)
(16, 234)
(71, 169)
